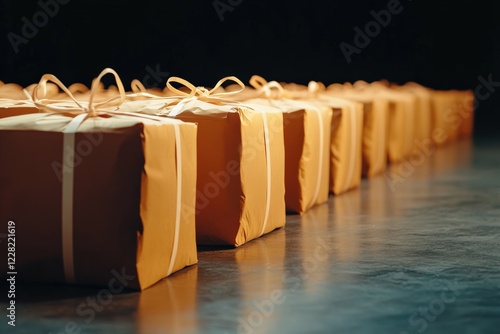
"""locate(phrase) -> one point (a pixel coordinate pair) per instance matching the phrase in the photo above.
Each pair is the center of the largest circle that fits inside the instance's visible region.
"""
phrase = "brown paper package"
(374, 132)
(234, 190)
(125, 198)
(400, 126)
(239, 195)
(307, 135)
(452, 115)
(423, 113)
(466, 113)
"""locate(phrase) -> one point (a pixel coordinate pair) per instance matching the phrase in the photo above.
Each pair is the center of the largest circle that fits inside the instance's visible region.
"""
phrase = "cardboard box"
(107, 201)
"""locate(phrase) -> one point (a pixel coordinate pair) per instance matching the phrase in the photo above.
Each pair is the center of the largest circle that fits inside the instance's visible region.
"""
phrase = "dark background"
(441, 44)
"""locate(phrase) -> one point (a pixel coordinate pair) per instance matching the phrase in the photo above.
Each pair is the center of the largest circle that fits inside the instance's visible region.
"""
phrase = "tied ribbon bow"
(198, 93)
(203, 93)
(89, 108)
(183, 97)
(84, 111)
(271, 90)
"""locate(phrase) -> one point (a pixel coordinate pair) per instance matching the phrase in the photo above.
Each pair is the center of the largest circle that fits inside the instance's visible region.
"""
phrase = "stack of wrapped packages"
(116, 189)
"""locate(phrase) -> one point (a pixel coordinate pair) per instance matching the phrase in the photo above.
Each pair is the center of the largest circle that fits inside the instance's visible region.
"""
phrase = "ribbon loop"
(114, 101)
(42, 85)
(315, 87)
(222, 81)
(258, 82)
(183, 82)
(202, 92)
(137, 86)
(266, 88)
(90, 109)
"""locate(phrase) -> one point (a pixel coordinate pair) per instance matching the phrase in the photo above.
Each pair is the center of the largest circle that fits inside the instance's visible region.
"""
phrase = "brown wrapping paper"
(131, 220)
(375, 125)
(10, 107)
(14, 101)
(232, 150)
(401, 125)
(465, 113)
(240, 179)
(307, 135)
(346, 146)
(400, 130)
(452, 115)
(423, 112)
(346, 136)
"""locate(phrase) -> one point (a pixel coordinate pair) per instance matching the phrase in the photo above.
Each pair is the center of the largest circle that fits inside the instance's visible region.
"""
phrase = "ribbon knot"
(315, 88)
(271, 90)
(90, 108)
(202, 92)
(198, 93)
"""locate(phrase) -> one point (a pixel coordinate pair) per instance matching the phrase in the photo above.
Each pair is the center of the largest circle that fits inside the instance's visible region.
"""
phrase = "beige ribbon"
(380, 148)
(352, 158)
(85, 111)
(315, 88)
(271, 90)
(81, 107)
(139, 90)
(173, 105)
(268, 172)
(267, 88)
(178, 206)
(200, 93)
(210, 96)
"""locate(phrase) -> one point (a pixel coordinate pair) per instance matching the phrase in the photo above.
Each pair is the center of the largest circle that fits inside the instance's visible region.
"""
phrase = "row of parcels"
(103, 181)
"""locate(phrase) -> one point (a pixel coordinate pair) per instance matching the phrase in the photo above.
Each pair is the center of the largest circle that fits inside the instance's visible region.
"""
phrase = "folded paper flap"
(57, 122)
(284, 105)
(164, 106)
(160, 106)
(257, 107)
(13, 91)
(12, 103)
(340, 102)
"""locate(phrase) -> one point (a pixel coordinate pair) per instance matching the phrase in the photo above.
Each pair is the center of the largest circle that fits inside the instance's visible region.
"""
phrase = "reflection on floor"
(415, 250)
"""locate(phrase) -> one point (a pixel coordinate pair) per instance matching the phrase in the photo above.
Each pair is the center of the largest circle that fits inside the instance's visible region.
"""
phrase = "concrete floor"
(414, 251)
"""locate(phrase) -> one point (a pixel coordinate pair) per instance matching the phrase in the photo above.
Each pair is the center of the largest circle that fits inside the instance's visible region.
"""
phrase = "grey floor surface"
(416, 250)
